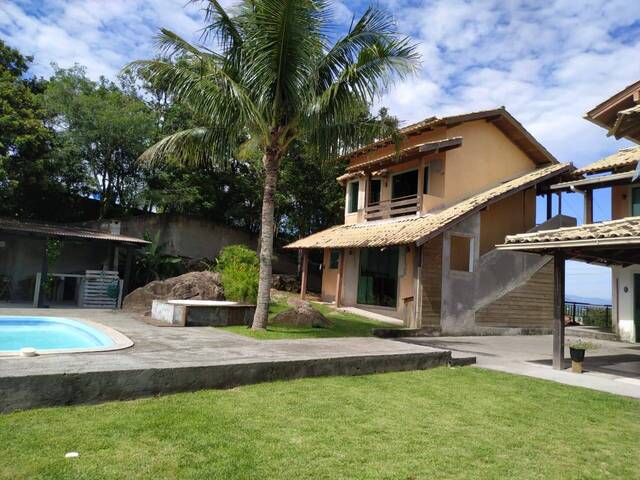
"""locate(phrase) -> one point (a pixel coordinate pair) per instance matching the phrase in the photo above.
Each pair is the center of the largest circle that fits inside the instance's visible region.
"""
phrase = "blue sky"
(548, 62)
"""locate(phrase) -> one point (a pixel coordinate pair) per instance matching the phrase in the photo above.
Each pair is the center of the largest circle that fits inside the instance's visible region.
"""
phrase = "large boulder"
(302, 314)
(285, 283)
(193, 285)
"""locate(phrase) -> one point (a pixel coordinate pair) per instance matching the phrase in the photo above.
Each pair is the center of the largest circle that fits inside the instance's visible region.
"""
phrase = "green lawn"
(461, 423)
(344, 325)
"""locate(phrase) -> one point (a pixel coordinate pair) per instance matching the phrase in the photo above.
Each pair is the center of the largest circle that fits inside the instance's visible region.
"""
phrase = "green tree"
(33, 183)
(275, 77)
(106, 126)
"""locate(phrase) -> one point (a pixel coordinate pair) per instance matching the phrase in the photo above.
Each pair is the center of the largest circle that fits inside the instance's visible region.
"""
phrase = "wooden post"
(305, 268)
(549, 206)
(558, 311)
(559, 203)
(339, 278)
(44, 273)
(588, 206)
(127, 270)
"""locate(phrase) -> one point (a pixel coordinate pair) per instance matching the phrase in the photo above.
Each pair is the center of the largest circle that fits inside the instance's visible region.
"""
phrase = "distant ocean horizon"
(594, 300)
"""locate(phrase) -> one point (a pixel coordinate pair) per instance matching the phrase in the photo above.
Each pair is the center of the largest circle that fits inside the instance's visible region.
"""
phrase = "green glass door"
(636, 305)
(378, 279)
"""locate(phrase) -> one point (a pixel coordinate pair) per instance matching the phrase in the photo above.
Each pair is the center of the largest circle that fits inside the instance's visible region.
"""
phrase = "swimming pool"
(57, 335)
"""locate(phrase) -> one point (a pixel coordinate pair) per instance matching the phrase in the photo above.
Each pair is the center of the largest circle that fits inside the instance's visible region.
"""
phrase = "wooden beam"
(559, 203)
(588, 206)
(339, 278)
(549, 206)
(558, 311)
(305, 273)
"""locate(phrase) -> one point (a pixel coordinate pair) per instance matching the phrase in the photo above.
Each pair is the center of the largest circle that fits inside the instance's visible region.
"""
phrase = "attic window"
(460, 253)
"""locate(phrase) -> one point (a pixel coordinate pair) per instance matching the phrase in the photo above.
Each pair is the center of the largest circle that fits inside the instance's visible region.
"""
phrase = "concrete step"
(406, 332)
(596, 333)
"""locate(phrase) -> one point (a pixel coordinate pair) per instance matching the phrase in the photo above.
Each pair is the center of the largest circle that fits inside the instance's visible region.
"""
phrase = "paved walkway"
(166, 359)
(613, 368)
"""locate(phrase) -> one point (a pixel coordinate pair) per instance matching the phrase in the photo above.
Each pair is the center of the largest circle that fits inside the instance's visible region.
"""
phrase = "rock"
(302, 314)
(285, 283)
(193, 285)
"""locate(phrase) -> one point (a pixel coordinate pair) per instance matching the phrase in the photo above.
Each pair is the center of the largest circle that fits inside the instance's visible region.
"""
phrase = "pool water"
(49, 333)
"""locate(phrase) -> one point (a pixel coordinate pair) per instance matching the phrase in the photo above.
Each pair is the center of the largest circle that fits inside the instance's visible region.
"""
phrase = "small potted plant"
(577, 350)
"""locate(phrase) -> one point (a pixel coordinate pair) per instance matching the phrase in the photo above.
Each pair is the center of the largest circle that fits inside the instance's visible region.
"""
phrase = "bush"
(240, 270)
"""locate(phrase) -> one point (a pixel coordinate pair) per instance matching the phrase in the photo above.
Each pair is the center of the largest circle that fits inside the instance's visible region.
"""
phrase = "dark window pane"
(353, 197)
(374, 191)
(334, 257)
(404, 184)
(635, 202)
(378, 280)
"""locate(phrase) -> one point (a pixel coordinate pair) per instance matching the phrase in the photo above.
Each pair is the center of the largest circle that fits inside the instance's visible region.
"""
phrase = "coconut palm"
(272, 75)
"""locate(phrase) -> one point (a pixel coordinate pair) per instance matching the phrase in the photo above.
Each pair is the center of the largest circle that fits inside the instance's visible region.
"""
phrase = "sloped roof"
(418, 230)
(612, 242)
(627, 123)
(607, 114)
(64, 231)
(500, 117)
(626, 158)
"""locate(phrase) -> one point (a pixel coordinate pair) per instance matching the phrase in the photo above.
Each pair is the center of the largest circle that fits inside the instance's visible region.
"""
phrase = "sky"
(547, 61)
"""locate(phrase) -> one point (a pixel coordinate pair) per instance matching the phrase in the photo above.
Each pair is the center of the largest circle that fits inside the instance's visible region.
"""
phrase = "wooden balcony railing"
(397, 207)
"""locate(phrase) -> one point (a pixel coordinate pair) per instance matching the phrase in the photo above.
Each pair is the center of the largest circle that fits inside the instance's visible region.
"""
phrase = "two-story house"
(615, 242)
(421, 222)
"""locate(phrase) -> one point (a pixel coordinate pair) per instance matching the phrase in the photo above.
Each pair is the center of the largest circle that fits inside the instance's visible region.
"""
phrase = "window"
(352, 197)
(374, 191)
(425, 188)
(334, 257)
(460, 254)
(404, 184)
(378, 280)
(635, 202)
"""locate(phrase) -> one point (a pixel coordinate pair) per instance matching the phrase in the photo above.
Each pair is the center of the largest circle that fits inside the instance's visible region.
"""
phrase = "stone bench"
(201, 313)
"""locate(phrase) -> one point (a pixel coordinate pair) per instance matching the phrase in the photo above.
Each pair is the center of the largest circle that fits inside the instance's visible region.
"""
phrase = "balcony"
(397, 207)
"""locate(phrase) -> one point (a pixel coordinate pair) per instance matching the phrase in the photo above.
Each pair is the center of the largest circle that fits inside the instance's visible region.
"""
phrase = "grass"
(344, 325)
(446, 423)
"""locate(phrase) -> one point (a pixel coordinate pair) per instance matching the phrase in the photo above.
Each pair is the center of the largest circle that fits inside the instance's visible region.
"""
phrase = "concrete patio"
(614, 367)
(170, 359)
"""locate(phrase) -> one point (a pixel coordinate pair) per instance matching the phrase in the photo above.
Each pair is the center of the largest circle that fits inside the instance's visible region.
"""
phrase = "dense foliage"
(238, 266)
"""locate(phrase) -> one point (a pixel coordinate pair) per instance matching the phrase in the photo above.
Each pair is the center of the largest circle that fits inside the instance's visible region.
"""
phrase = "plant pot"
(577, 354)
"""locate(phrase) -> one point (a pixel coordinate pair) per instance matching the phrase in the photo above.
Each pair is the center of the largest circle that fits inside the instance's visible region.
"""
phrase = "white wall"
(622, 301)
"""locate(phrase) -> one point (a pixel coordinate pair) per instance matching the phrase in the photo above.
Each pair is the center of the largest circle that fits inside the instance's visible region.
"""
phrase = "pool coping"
(121, 341)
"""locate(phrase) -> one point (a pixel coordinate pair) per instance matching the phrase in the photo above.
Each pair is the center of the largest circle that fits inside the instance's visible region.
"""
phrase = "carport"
(612, 243)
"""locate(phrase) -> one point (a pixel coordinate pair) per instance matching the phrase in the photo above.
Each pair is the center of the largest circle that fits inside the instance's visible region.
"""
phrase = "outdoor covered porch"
(62, 265)
(614, 243)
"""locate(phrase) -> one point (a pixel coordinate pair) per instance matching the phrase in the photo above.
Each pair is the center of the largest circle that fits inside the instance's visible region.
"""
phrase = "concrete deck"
(165, 360)
(613, 368)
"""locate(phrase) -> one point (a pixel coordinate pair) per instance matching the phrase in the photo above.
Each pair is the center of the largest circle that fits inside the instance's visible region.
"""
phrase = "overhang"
(614, 242)
(64, 231)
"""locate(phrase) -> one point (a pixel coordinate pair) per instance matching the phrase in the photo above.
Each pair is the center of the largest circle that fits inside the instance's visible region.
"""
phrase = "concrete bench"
(201, 313)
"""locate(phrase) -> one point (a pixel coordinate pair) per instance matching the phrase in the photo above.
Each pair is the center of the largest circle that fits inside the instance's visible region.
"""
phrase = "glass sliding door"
(378, 279)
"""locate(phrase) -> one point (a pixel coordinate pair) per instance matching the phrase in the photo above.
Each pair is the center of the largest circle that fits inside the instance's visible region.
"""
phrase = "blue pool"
(49, 333)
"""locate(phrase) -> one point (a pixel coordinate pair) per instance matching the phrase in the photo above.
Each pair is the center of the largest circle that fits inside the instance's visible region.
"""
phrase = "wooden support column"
(558, 311)
(305, 273)
(559, 203)
(127, 270)
(44, 273)
(549, 206)
(588, 206)
(339, 278)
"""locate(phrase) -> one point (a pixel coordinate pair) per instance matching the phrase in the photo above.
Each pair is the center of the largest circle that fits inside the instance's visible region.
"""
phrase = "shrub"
(240, 269)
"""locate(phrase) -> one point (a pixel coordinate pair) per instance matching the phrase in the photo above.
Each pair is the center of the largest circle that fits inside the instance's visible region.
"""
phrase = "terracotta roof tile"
(407, 230)
(627, 157)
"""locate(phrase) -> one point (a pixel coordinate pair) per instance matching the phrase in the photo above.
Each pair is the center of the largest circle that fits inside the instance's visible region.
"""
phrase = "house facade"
(421, 221)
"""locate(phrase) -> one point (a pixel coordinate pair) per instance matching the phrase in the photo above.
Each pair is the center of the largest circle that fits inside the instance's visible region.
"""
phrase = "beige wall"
(329, 277)
(514, 214)
(485, 158)
(620, 202)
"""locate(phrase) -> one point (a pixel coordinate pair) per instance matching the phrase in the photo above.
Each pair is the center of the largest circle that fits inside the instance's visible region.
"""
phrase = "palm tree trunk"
(266, 242)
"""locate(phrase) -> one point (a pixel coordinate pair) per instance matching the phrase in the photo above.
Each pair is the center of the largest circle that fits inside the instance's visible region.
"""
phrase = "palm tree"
(273, 76)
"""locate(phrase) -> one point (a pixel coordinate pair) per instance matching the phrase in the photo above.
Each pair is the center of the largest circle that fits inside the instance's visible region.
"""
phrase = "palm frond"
(194, 146)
